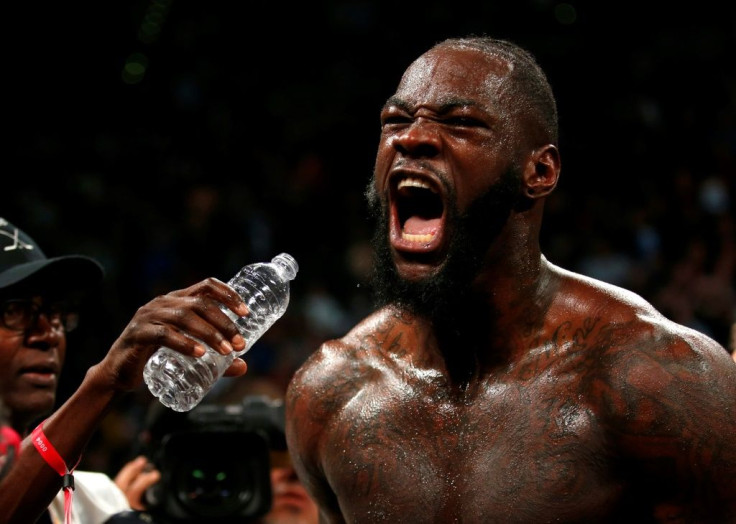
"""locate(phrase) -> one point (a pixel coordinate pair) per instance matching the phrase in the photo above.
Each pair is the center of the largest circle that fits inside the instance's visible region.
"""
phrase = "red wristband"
(53, 459)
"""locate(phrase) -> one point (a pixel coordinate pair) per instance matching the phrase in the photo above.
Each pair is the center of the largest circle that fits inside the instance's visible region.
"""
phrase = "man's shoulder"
(646, 359)
(343, 365)
(339, 351)
(365, 335)
(619, 316)
(626, 334)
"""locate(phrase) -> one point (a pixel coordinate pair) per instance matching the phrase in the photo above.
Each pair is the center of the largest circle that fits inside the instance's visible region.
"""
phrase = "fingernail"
(198, 351)
(239, 341)
(242, 309)
(226, 346)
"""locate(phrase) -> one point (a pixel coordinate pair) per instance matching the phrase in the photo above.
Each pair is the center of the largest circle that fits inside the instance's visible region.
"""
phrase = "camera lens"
(214, 474)
(213, 487)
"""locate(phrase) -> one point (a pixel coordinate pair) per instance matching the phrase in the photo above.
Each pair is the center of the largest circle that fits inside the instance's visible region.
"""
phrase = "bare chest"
(511, 453)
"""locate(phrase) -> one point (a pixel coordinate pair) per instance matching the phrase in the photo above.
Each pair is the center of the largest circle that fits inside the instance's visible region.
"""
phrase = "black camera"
(214, 462)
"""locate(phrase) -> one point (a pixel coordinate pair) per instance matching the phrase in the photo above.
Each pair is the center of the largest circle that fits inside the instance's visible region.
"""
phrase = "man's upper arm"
(313, 399)
(676, 418)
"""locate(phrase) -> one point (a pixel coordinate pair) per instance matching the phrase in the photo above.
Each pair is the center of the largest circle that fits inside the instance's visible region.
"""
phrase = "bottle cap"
(288, 265)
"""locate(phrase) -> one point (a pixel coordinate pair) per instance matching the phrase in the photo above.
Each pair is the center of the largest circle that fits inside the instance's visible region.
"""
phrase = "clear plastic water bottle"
(180, 382)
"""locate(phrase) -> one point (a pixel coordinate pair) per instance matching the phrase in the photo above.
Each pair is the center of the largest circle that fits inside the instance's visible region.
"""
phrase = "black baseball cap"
(24, 264)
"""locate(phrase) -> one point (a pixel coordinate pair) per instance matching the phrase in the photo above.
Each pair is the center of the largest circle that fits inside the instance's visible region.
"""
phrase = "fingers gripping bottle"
(179, 381)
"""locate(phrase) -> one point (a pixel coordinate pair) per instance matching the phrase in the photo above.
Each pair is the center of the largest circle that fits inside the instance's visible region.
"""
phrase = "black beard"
(446, 298)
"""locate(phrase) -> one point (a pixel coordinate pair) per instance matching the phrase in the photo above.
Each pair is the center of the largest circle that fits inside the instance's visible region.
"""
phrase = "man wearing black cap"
(38, 296)
(38, 299)
(39, 306)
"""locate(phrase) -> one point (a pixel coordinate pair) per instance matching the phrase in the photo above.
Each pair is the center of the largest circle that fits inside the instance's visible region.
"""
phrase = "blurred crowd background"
(175, 140)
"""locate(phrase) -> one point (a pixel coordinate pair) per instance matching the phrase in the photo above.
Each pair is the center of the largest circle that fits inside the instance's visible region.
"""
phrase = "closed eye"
(395, 120)
(464, 121)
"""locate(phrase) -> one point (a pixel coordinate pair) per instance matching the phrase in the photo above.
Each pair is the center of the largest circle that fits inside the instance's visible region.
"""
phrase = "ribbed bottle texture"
(180, 382)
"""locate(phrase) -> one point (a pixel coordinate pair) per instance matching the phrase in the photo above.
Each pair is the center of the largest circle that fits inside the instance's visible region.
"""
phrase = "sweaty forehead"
(450, 73)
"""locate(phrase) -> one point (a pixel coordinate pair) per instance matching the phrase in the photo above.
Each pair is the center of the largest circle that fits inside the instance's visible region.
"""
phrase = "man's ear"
(541, 172)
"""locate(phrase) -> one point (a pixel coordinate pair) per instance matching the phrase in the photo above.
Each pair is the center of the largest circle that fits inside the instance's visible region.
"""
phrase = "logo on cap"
(17, 242)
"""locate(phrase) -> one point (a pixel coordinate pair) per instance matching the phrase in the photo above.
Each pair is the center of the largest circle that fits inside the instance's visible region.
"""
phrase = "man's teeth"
(417, 238)
(424, 238)
(415, 182)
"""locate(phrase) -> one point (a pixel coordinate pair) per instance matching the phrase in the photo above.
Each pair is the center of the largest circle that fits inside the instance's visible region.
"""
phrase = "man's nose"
(43, 329)
(420, 139)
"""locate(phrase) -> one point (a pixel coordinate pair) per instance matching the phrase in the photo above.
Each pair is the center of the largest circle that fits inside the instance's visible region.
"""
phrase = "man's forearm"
(31, 484)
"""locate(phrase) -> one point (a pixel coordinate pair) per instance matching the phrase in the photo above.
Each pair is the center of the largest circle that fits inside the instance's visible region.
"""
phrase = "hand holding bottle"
(180, 382)
(184, 321)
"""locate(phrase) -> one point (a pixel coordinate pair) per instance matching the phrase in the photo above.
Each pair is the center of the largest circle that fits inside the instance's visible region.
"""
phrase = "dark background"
(175, 140)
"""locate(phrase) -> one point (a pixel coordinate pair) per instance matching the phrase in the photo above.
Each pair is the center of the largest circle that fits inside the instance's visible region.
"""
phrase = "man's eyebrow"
(444, 107)
(397, 102)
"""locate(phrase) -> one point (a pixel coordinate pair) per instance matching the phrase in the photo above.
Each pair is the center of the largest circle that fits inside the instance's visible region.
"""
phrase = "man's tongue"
(420, 229)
